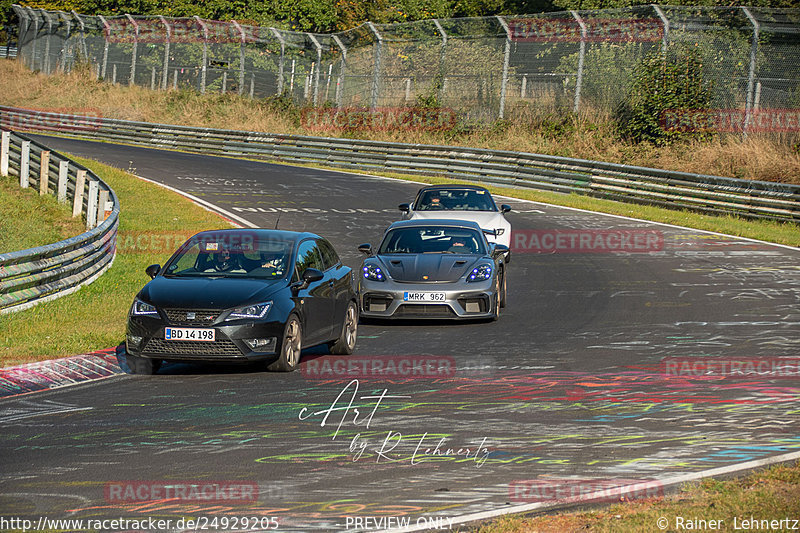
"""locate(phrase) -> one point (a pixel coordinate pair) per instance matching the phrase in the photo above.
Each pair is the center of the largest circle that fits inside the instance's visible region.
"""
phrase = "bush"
(663, 82)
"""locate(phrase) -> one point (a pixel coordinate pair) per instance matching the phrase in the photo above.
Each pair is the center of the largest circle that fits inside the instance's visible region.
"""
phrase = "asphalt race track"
(575, 386)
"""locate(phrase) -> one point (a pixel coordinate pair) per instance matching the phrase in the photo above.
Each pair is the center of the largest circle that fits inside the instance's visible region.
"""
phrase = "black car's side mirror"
(310, 275)
(405, 208)
(152, 270)
(365, 248)
(505, 208)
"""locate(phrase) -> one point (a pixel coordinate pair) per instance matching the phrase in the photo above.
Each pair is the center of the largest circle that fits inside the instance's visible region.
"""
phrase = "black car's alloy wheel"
(347, 338)
(291, 346)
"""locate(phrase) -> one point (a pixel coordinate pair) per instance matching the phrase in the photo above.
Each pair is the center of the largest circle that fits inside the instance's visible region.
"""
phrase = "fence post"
(204, 68)
(665, 22)
(241, 56)
(35, 19)
(101, 206)
(441, 59)
(165, 73)
(63, 170)
(24, 164)
(132, 79)
(44, 172)
(91, 207)
(340, 81)
(5, 145)
(373, 103)
(506, 60)
(282, 60)
(46, 16)
(751, 76)
(319, 67)
(106, 37)
(83, 49)
(66, 51)
(579, 81)
(77, 198)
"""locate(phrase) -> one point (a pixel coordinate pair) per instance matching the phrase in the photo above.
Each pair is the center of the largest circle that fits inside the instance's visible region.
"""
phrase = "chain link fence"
(484, 68)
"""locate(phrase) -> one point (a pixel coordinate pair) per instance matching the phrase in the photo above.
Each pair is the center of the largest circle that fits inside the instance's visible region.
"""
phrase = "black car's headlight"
(373, 273)
(140, 308)
(480, 273)
(250, 311)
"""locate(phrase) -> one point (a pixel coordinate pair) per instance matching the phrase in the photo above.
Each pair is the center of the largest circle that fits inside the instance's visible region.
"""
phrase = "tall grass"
(590, 135)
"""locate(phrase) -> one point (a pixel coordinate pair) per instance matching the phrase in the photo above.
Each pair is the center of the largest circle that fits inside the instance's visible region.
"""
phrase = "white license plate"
(189, 334)
(423, 296)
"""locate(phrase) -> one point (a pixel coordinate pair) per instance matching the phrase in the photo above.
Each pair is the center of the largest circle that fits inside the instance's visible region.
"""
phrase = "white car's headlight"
(373, 273)
(140, 308)
(250, 311)
(480, 273)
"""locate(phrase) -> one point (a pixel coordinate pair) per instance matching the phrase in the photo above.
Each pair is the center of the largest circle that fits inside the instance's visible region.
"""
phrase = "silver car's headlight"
(373, 273)
(480, 273)
(250, 311)
(140, 308)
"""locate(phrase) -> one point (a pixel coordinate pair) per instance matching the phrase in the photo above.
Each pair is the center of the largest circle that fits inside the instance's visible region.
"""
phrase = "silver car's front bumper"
(387, 299)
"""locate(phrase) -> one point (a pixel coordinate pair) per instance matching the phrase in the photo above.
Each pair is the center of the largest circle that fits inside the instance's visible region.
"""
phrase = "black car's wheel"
(143, 365)
(346, 342)
(291, 346)
(503, 291)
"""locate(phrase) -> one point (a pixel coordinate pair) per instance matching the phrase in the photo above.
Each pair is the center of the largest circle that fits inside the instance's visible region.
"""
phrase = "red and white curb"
(58, 373)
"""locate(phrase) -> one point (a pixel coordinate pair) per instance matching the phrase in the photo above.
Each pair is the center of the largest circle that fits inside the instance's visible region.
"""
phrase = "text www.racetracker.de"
(200, 523)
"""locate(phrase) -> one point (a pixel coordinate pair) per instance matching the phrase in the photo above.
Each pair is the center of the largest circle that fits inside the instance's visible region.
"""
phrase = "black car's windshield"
(431, 240)
(231, 256)
(455, 200)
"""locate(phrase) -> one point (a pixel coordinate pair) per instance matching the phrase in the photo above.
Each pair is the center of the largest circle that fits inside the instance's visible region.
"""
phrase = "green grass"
(28, 220)
(773, 493)
(94, 317)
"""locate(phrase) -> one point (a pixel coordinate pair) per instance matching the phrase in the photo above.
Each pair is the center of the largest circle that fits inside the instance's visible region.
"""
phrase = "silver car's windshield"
(223, 256)
(433, 240)
(455, 200)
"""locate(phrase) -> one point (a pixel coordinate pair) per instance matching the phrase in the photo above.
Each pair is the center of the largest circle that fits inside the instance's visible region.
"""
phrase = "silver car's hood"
(426, 268)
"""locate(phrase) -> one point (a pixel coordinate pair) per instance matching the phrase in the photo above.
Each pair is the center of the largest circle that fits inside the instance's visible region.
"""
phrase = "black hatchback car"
(243, 295)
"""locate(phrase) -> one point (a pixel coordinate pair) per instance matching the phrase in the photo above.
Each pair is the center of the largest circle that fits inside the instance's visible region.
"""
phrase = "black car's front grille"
(191, 317)
(424, 310)
(220, 347)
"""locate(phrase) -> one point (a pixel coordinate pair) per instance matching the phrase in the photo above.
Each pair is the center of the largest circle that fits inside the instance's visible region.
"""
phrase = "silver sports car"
(433, 269)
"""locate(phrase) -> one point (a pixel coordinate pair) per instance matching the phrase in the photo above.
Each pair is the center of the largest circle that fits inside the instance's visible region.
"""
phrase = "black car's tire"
(503, 291)
(291, 346)
(346, 342)
(143, 365)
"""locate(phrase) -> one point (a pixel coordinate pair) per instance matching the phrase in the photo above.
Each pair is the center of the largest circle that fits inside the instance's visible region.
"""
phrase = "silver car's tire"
(291, 346)
(503, 291)
(497, 302)
(346, 342)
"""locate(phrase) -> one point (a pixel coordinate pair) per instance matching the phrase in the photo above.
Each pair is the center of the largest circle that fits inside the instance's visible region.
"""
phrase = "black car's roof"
(452, 186)
(263, 233)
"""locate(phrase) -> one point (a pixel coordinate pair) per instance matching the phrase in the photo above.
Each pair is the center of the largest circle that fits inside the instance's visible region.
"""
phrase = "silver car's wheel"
(347, 338)
(291, 346)
(497, 303)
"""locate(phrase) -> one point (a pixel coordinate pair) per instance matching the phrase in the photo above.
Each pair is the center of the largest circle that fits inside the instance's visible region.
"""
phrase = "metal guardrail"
(8, 52)
(697, 192)
(28, 277)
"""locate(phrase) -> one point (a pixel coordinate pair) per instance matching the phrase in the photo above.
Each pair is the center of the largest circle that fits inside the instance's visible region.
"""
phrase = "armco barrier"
(28, 277)
(708, 194)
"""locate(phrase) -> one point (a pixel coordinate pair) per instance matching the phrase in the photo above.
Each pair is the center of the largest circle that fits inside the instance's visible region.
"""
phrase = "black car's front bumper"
(146, 338)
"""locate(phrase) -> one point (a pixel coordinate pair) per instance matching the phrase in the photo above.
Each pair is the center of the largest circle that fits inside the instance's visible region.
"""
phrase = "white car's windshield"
(430, 240)
(455, 200)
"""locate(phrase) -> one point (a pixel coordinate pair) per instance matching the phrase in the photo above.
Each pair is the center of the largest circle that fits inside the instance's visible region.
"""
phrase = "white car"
(461, 202)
